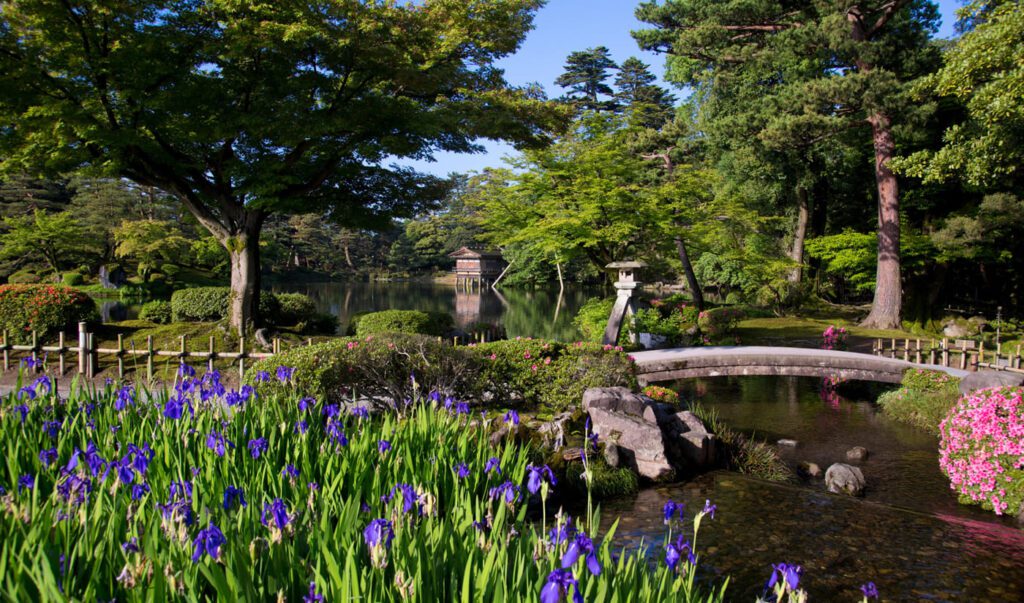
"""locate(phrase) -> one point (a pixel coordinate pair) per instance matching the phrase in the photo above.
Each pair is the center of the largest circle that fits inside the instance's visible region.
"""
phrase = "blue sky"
(564, 26)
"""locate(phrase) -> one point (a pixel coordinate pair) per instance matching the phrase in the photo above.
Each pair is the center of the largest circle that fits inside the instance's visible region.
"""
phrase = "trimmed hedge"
(24, 277)
(158, 311)
(523, 372)
(45, 309)
(204, 304)
(403, 321)
(294, 308)
(924, 399)
(72, 278)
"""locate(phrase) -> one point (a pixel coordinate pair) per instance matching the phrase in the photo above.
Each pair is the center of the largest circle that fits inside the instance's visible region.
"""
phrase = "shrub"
(45, 309)
(294, 308)
(661, 394)
(924, 380)
(202, 304)
(592, 318)
(72, 279)
(672, 318)
(923, 400)
(982, 449)
(318, 322)
(718, 325)
(378, 368)
(24, 277)
(404, 321)
(158, 311)
(536, 372)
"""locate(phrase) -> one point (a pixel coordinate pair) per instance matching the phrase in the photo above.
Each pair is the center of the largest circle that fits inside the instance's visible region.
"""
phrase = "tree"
(636, 90)
(867, 48)
(983, 71)
(150, 243)
(586, 72)
(243, 110)
(50, 236)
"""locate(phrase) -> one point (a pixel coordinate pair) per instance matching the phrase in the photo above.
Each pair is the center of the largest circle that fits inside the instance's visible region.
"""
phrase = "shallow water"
(908, 534)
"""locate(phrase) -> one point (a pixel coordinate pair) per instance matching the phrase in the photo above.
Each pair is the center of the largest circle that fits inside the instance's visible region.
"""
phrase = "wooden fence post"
(981, 354)
(120, 356)
(963, 355)
(241, 359)
(149, 358)
(94, 356)
(35, 346)
(182, 354)
(945, 352)
(83, 349)
(931, 352)
(211, 357)
(906, 350)
(917, 352)
(60, 352)
(892, 352)
(7, 355)
(1016, 358)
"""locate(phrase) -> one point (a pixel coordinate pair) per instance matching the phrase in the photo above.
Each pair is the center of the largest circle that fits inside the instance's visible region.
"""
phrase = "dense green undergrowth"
(923, 399)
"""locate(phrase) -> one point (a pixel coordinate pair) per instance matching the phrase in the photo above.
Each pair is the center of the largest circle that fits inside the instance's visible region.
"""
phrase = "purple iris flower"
(462, 408)
(262, 376)
(141, 457)
(507, 491)
(562, 532)
(383, 446)
(44, 382)
(233, 398)
(209, 542)
(537, 475)
(31, 363)
(257, 447)
(181, 490)
(306, 403)
(312, 597)
(139, 490)
(185, 370)
(869, 590)
(218, 443)
(331, 410)
(52, 428)
(788, 572)
(670, 509)
(174, 408)
(277, 513)
(302, 426)
(461, 470)
(360, 412)
(132, 546)
(22, 409)
(125, 398)
(434, 396)
(512, 417)
(74, 489)
(378, 533)
(409, 496)
(675, 551)
(557, 587)
(125, 472)
(180, 511)
(27, 391)
(48, 456)
(492, 464)
(335, 432)
(709, 508)
(234, 497)
(290, 471)
(672, 557)
(26, 482)
(582, 546)
(284, 373)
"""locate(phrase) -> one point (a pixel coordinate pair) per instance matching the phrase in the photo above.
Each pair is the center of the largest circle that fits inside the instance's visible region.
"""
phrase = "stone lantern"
(624, 304)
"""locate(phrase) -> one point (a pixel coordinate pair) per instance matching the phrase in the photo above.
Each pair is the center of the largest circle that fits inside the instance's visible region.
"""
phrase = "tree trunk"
(886, 308)
(691, 278)
(803, 218)
(348, 258)
(244, 250)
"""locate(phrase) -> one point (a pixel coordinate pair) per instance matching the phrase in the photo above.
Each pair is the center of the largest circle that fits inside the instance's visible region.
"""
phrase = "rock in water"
(857, 453)
(841, 478)
(611, 455)
(808, 469)
(787, 443)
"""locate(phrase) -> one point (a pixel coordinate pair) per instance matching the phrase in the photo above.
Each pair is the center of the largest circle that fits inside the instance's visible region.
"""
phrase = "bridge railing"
(965, 354)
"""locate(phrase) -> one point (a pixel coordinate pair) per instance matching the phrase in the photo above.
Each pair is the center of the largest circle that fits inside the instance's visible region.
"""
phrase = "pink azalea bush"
(982, 449)
(834, 338)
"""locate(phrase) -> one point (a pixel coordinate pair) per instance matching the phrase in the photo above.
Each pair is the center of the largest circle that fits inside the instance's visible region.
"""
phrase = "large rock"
(553, 432)
(984, 379)
(857, 453)
(841, 478)
(956, 329)
(654, 439)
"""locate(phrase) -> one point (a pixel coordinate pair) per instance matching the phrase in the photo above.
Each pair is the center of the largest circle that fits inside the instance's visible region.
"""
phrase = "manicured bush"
(718, 325)
(171, 270)
(72, 279)
(319, 323)
(294, 308)
(592, 318)
(202, 304)
(199, 304)
(24, 277)
(923, 400)
(673, 318)
(157, 311)
(536, 372)
(376, 367)
(982, 449)
(45, 309)
(404, 321)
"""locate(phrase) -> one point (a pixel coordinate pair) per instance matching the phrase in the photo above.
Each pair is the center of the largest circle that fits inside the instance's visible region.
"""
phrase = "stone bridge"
(727, 361)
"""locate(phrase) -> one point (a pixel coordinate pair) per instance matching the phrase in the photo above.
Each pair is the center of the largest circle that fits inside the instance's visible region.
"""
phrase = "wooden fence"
(87, 355)
(964, 354)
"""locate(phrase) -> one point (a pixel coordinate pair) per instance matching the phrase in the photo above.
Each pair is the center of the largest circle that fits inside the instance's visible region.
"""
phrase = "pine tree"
(586, 73)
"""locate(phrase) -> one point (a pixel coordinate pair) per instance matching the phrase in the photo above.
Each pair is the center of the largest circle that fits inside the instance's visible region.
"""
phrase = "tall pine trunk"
(691, 277)
(803, 219)
(887, 306)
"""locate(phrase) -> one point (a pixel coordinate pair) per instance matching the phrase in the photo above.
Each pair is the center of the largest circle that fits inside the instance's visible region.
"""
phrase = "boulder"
(553, 432)
(787, 443)
(841, 478)
(808, 470)
(611, 455)
(652, 438)
(983, 379)
(956, 329)
(857, 453)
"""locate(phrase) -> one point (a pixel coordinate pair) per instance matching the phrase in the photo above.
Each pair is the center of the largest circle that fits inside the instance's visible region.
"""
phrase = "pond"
(522, 312)
(907, 534)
